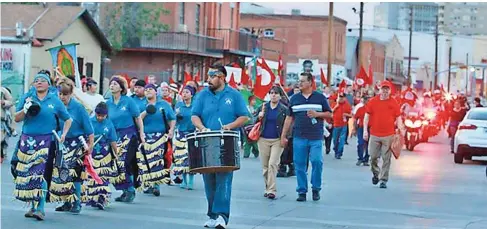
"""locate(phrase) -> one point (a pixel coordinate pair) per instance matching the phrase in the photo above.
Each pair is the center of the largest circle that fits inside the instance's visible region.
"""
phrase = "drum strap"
(165, 120)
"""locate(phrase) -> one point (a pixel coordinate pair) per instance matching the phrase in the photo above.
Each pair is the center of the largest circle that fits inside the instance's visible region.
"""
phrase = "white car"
(471, 136)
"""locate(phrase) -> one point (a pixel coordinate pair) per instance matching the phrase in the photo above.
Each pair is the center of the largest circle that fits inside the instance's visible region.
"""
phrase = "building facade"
(199, 35)
(306, 36)
(468, 18)
(394, 15)
(47, 26)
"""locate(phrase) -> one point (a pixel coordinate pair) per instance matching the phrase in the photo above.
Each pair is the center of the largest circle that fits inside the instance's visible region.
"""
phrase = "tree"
(128, 22)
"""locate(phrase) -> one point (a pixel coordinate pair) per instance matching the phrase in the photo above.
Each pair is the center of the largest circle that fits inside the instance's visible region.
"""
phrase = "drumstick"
(220, 120)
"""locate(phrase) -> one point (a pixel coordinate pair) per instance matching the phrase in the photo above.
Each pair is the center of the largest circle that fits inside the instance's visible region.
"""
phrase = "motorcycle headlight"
(417, 123)
(430, 115)
(408, 123)
(425, 123)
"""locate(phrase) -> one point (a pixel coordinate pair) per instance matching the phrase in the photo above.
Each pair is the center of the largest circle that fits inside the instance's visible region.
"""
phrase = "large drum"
(213, 151)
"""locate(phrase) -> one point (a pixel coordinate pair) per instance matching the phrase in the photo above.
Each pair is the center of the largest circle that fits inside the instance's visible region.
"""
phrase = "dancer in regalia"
(79, 142)
(36, 148)
(104, 159)
(184, 126)
(159, 122)
(125, 116)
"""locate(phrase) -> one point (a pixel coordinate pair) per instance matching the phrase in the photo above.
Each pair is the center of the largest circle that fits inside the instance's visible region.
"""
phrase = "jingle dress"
(63, 189)
(123, 116)
(150, 158)
(104, 163)
(36, 149)
(183, 127)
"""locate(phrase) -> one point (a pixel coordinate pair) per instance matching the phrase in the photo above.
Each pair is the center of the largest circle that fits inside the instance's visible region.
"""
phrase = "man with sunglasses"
(307, 110)
(216, 105)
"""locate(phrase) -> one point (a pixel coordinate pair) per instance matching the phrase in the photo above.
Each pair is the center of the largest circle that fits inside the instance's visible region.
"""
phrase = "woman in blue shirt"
(79, 142)
(125, 116)
(272, 116)
(183, 126)
(36, 148)
(104, 161)
(159, 122)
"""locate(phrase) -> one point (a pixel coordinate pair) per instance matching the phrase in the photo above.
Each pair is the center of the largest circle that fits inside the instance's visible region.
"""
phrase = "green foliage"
(129, 21)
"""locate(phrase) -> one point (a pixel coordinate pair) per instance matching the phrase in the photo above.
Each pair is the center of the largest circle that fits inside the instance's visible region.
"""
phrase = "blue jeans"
(362, 146)
(218, 189)
(339, 134)
(304, 149)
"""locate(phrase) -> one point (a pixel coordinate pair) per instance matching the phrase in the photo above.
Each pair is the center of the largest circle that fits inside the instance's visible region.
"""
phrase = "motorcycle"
(433, 127)
(414, 130)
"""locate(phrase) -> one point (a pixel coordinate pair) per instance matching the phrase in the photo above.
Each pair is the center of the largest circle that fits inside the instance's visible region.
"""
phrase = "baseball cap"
(385, 83)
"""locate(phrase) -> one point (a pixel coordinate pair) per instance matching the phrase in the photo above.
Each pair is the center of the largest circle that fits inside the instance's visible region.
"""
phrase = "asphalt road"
(426, 190)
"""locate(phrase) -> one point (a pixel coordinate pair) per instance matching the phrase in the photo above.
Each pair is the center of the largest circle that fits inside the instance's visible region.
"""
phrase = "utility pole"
(360, 34)
(330, 32)
(449, 68)
(466, 77)
(410, 45)
(436, 54)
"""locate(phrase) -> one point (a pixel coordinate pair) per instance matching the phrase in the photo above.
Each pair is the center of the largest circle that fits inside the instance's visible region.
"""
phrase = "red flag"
(323, 78)
(245, 77)
(361, 79)
(280, 70)
(187, 78)
(171, 80)
(313, 83)
(342, 86)
(370, 77)
(197, 77)
(263, 69)
(232, 82)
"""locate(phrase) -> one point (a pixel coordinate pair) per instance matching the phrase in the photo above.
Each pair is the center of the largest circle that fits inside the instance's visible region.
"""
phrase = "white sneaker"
(210, 223)
(220, 223)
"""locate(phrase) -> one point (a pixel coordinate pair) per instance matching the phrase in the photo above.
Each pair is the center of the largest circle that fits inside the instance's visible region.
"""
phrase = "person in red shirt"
(382, 114)
(362, 146)
(341, 112)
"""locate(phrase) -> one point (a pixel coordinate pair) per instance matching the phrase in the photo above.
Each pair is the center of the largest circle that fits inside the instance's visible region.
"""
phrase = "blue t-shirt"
(153, 123)
(45, 121)
(270, 128)
(183, 123)
(122, 114)
(81, 120)
(226, 105)
(303, 125)
(104, 128)
(141, 102)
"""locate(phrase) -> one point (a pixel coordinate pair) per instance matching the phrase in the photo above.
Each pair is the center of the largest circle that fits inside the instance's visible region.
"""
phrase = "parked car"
(471, 136)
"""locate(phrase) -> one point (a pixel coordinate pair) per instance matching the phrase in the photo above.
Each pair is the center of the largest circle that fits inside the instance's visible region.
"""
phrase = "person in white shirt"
(92, 98)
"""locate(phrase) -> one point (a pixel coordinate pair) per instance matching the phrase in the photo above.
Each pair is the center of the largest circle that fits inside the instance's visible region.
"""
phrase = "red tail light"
(467, 127)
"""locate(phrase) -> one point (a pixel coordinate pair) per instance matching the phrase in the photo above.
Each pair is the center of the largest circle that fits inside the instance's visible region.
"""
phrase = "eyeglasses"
(303, 81)
(40, 81)
(214, 73)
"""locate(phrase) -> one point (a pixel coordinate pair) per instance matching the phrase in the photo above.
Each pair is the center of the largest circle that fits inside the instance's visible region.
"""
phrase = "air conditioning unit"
(183, 28)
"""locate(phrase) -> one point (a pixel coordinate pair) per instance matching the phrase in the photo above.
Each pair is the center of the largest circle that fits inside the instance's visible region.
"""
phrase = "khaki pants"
(380, 147)
(270, 156)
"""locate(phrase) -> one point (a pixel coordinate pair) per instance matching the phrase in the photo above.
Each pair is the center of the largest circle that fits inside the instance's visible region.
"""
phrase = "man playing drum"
(218, 107)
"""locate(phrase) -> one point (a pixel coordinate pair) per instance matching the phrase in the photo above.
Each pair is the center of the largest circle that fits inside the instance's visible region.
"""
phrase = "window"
(89, 70)
(231, 18)
(198, 8)
(80, 65)
(181, 13)
(269, 33)
(219, 15)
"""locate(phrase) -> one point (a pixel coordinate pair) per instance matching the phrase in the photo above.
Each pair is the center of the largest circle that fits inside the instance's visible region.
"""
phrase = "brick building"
(199, 34)
(306, 36)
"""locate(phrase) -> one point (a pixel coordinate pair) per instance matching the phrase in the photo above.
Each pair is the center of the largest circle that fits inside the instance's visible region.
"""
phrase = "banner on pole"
(65, 61)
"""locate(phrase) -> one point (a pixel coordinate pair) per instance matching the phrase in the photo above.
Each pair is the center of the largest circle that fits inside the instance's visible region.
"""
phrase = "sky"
(341, 10)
